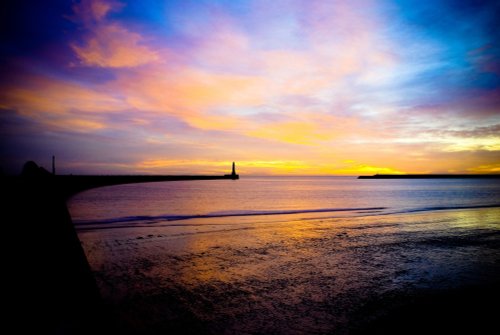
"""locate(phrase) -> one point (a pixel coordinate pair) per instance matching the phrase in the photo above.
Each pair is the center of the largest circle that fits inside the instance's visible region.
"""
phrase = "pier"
(55, 290)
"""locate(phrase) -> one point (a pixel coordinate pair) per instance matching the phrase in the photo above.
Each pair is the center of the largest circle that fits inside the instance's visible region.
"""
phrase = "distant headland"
(432, 176)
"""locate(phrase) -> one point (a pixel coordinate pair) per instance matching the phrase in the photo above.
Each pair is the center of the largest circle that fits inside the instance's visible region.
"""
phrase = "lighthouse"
(233, 174)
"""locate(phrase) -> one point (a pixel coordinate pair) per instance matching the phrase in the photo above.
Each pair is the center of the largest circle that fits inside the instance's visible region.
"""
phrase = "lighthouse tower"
(233, 174)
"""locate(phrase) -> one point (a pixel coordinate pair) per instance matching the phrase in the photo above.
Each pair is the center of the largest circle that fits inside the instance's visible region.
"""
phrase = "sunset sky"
(280, 87)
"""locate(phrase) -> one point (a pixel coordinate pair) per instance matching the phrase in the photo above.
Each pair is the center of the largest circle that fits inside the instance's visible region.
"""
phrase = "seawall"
(51, 288)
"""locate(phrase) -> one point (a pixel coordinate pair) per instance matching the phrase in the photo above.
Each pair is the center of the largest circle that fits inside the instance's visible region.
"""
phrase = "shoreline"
(257, 218)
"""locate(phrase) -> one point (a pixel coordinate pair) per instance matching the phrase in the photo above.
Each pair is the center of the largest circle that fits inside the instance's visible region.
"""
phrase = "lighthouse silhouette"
(233, 174)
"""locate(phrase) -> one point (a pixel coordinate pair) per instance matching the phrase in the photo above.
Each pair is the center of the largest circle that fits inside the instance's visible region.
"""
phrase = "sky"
(300, 87)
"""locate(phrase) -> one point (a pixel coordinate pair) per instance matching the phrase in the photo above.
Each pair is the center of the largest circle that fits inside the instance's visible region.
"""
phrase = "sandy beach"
(385, 273)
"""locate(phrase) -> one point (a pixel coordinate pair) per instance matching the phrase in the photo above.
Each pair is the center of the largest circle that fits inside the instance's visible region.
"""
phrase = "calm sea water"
(274, 198)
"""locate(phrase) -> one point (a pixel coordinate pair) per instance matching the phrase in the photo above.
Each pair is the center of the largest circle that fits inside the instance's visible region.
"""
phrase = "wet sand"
(406, 273)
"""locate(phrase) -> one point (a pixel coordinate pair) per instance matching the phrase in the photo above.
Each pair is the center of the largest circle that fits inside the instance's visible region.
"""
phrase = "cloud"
(306, 128)
(476, 132)
(474, 144)
(113, 46)
(187, 93)
(108, 43)
(488, 168)
(90, 12)
(59, 104)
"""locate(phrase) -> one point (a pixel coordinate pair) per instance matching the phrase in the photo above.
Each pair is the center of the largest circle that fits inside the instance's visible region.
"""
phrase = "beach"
(387, 273)
(250, 167)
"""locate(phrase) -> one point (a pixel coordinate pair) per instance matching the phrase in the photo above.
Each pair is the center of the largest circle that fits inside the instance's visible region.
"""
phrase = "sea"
(271, 199)
(295, 255)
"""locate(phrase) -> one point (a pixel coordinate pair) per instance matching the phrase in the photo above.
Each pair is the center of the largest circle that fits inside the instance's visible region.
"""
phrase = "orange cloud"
(307, 128)
(108, 43)
(75, 124)
(114, 46)
(291, 132)
(487, 168)
(188, 94)
(54, 96)
(54, 103)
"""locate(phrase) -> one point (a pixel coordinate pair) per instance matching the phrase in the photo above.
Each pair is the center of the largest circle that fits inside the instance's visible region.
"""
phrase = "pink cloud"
(92, 11)
(112, 45)
(108, 43)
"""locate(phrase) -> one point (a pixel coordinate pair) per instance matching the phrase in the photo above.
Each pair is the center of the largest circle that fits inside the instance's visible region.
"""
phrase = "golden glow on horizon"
(266, 167)
(365, 169)
(492, 168)
(264, 164)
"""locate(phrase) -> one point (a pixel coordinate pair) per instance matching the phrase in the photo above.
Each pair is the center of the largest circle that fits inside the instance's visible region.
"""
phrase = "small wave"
(439, 208)
(366, 211)
(153, 219)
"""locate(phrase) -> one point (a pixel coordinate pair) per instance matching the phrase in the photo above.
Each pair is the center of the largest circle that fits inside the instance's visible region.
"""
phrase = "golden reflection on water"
(488, 219)
(241, 251)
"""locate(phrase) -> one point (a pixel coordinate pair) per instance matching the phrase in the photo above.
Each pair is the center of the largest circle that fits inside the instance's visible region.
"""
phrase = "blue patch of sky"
(274, 26)
(436, 40)
(150, 15)
(456, 27)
